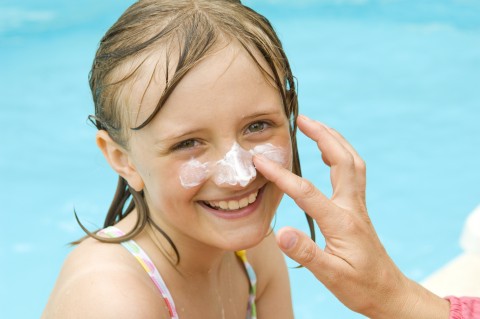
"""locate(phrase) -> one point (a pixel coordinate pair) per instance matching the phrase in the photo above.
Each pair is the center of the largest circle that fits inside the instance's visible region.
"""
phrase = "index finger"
(302, 191)
(334, 152)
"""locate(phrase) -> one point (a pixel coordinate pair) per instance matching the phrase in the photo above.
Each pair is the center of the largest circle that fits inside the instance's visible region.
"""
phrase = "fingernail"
(305, 118)
(288, 240)
(260, 157)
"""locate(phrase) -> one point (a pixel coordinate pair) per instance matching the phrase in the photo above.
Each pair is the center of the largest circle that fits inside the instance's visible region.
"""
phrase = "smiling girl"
(186, 94)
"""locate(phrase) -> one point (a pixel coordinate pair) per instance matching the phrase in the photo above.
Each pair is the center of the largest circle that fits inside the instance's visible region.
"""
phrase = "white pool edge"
(461, 276)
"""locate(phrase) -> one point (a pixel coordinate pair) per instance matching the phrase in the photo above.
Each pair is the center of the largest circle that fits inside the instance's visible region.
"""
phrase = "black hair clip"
(96, 122)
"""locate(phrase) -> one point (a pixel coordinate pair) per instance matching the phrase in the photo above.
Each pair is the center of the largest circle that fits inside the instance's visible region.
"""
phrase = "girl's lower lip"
(238, 213)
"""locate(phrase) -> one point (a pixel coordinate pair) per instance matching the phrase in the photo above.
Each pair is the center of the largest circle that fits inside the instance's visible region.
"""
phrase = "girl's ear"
(119, 160)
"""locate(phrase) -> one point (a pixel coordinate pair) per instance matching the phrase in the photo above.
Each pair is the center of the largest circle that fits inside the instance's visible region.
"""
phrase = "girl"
(186, 93)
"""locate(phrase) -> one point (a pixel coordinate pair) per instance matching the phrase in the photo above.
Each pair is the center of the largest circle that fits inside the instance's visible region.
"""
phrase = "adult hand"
(354, 265)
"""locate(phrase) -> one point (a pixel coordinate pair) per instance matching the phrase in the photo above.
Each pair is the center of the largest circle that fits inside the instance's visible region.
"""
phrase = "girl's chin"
(246, 240)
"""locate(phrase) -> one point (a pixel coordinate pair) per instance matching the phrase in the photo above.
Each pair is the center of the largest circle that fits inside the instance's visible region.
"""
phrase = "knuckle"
(347, 160)
(360, 165)
(308, 254)
(335, 279)
(307, 189)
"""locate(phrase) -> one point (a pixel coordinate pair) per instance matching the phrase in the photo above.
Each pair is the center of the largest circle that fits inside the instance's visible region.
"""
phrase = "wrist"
(394, 298)
(413, 301)
(402, 298)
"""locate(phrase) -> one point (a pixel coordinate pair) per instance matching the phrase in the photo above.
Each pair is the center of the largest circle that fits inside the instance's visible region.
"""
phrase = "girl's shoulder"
(101, 280)
(269, 264)
(273, 296)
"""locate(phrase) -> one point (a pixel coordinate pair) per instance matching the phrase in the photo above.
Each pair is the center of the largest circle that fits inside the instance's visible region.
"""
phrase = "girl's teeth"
(223, 205)
(243, 202)
(233, 204)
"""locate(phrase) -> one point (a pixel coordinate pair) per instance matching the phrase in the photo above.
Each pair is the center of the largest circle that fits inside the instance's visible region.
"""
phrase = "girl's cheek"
(278, 154)
(193, 173)
(284, 143)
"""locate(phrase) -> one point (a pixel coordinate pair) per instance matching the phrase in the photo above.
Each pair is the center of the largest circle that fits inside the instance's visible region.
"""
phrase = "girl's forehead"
(230, 63)
(227, 72)
(149, 77)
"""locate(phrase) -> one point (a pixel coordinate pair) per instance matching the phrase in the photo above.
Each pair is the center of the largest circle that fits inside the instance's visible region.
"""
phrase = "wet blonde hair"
(189, 29)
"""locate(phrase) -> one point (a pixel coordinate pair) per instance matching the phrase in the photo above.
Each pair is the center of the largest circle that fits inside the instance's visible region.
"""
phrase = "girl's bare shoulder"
(100, 280)
(267, 260)
(273, 285)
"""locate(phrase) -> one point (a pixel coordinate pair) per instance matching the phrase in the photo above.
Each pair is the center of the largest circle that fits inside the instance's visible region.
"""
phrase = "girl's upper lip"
(237, 196)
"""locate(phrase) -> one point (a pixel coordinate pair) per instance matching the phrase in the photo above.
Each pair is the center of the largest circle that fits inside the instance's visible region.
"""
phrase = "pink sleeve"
(464, 307)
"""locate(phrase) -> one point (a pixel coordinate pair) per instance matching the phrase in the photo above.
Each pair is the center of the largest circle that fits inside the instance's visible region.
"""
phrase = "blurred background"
(400, 79)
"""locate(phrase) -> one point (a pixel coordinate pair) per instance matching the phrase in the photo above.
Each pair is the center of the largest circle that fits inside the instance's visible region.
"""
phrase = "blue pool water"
(399, 78)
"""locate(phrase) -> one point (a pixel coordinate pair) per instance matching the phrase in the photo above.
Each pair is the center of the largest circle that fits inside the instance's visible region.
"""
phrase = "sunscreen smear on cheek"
(273, 153)
(193, 173)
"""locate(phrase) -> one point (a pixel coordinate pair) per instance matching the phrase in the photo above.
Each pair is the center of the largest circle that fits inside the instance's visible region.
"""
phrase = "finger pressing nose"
(303, 192)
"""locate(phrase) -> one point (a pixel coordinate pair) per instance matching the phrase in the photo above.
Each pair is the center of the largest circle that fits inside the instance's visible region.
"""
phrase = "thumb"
(301, 248)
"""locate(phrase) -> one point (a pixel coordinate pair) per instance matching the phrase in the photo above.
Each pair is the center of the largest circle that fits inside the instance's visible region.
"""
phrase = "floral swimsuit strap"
(251, 309)
(147, 265)
(157, 279)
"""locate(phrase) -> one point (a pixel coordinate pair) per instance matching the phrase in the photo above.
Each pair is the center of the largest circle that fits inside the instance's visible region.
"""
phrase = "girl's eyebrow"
(262, 113)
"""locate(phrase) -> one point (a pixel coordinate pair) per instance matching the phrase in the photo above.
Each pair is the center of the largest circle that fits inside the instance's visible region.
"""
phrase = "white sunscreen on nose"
(236, 168)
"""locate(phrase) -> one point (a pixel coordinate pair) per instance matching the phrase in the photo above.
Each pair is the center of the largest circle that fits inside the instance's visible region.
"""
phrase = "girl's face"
(223, 100)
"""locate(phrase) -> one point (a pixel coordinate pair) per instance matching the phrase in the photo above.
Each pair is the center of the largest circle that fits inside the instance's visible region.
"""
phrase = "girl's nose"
(235, 169)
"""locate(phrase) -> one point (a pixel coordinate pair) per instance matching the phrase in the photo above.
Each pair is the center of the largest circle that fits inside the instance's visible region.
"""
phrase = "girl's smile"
(235, 207)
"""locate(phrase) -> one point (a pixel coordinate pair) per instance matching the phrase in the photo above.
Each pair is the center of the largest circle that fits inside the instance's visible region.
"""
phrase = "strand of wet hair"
(164, 234)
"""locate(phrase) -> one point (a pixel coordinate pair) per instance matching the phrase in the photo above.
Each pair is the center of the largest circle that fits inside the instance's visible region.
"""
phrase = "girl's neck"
(196, 259)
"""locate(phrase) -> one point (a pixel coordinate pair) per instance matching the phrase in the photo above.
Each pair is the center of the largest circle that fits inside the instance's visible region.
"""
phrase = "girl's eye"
(185, 145)
(257, 127)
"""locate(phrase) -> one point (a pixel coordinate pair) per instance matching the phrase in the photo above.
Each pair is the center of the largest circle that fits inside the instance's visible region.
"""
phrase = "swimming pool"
(398, 78)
